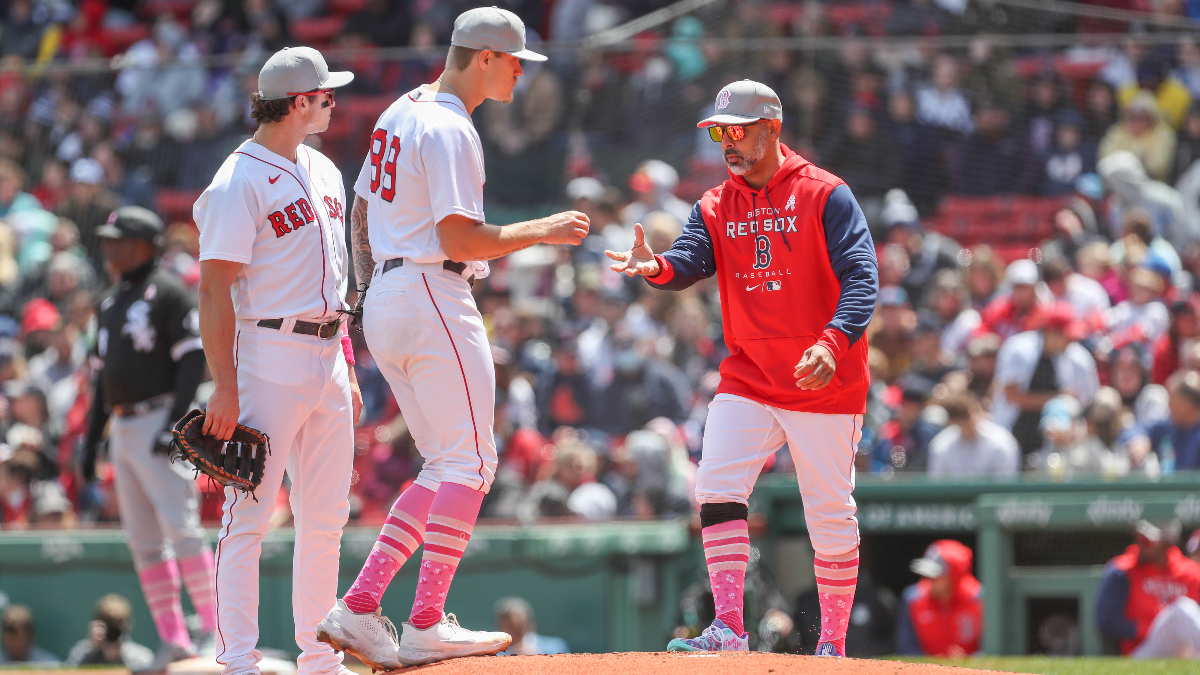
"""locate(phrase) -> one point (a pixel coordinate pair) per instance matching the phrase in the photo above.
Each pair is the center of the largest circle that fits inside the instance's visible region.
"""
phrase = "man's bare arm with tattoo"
(466, 239)
(364, 263)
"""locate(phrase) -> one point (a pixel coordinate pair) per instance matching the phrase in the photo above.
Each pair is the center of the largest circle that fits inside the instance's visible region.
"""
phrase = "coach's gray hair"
(458, 58)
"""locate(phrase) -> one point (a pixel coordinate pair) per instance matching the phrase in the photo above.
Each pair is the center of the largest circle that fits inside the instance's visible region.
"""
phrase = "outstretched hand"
(637, 260)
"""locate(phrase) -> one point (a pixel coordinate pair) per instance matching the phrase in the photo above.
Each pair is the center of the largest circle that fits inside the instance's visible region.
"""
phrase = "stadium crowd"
(1076, 356)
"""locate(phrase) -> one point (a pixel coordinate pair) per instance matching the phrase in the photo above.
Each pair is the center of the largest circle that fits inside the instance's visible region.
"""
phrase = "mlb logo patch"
(773, 285)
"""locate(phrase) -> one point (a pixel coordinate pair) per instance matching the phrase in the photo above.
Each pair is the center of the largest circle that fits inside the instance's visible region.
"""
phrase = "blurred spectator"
(1068, 157)
(204, 149)
(942, 614)
(643, 387)
(1101, 110)
(515, 617)
(1015, 311)
(1155, 79)
(12, 198)
(902, 445)
(643, 479)
(1143, 133)
(1075, 226)
(549, 498)
(522, 133)
(1124, 176)
(17, 472)
(890, 330)
(863, 157)
(1137, 223)
(151, 154)
(653, 186)
(928, 252)
(1193, 546)
(1142, 317)
(917, 150)
(948, 302)
(1140, 585)
(985, 272)
(1085, 296)
(88, 205)
(382, 23)
(19, 639)
(940, 103)
(1169, 348)
(1176, 440)
(981, 365)
(991, 160)
(1037, 365)
(971, 444)
(108, 642)
(162, 72)
(1187, 146)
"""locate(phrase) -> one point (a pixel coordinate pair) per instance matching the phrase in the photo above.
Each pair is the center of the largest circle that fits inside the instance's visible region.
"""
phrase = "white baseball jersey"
(425, 163)
(284, 221)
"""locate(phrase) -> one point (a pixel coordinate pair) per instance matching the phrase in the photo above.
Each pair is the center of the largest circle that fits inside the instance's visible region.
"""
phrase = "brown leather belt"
(448, 265)
(325, 331)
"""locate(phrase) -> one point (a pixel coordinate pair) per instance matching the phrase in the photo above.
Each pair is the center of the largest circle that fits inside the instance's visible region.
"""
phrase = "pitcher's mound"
(667, 663)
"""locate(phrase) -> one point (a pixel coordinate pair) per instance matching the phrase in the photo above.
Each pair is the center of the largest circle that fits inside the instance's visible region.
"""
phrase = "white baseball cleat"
(370, 637)
(447, 640)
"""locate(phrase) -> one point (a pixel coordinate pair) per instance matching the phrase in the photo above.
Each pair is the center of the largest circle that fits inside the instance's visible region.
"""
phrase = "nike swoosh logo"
(750, 288)
(272, 180)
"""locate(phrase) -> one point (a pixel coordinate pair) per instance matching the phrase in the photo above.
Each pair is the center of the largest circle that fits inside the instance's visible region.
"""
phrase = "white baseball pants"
(428, 339)
(295, 389)
(1174, 633)
(741, 434)
(158, 499)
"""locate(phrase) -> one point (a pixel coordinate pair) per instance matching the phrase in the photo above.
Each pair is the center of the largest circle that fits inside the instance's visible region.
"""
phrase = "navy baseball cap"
(132, 222)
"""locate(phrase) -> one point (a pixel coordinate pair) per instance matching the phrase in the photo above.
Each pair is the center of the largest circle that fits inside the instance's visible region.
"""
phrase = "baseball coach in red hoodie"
(796, 269)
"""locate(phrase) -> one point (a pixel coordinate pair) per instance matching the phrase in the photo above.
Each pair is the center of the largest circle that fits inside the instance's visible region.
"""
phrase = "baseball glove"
(237, 463)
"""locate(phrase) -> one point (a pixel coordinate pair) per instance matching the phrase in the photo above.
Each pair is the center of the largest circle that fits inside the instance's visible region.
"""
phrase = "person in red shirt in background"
(1013, 312)
(1168, 348)
(1146, 602)
(942, 614)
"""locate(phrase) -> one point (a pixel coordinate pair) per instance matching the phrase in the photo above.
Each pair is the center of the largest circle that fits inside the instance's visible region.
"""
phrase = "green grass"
(1045, 665)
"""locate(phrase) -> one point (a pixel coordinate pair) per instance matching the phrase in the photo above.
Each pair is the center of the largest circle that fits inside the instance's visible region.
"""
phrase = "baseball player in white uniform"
(421, 190)
(273, 277)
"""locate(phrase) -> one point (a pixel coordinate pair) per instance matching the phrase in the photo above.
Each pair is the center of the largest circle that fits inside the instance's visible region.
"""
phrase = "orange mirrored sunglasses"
(736, 131)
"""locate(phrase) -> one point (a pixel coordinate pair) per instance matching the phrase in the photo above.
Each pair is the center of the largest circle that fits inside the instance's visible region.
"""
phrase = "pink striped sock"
(402, 533)
(198, 579)
(451, 520)
(837, 575)
(160, 585)
(727, 552)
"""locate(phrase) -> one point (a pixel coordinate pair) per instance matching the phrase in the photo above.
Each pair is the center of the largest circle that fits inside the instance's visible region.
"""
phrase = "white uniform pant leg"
(429, 341)
(823, 447)
(280, 384)
(1174, 633)
(739, 436)
(320, 468)
(158, 499)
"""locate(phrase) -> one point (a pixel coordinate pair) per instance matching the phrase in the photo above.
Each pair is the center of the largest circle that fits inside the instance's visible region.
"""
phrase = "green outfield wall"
(616, 586)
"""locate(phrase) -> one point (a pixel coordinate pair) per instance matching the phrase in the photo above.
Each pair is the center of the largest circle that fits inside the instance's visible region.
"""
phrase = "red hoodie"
(940, 626)
(796, 267)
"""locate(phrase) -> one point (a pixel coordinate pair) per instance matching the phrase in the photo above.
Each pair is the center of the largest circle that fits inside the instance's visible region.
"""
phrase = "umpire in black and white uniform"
(153, 362)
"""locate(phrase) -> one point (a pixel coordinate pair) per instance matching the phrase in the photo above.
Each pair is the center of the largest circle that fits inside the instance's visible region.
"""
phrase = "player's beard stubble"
(746, 161)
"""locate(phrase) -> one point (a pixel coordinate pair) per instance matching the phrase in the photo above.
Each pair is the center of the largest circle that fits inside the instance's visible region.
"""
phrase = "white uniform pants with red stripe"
(427, 337)
(741, 434)
(295, 389)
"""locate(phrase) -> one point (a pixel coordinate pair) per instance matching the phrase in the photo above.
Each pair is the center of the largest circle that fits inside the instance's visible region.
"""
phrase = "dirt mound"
(664, 663)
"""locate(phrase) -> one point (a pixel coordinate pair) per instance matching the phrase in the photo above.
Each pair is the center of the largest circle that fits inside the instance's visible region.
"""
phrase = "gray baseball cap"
(744, 101)
(295, 70)
(492, 28)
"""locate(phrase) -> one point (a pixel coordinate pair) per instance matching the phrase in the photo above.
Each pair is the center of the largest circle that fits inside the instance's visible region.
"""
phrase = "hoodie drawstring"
(783, 232)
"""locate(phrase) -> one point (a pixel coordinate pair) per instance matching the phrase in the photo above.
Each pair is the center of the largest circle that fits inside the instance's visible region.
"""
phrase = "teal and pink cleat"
(716, 638)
